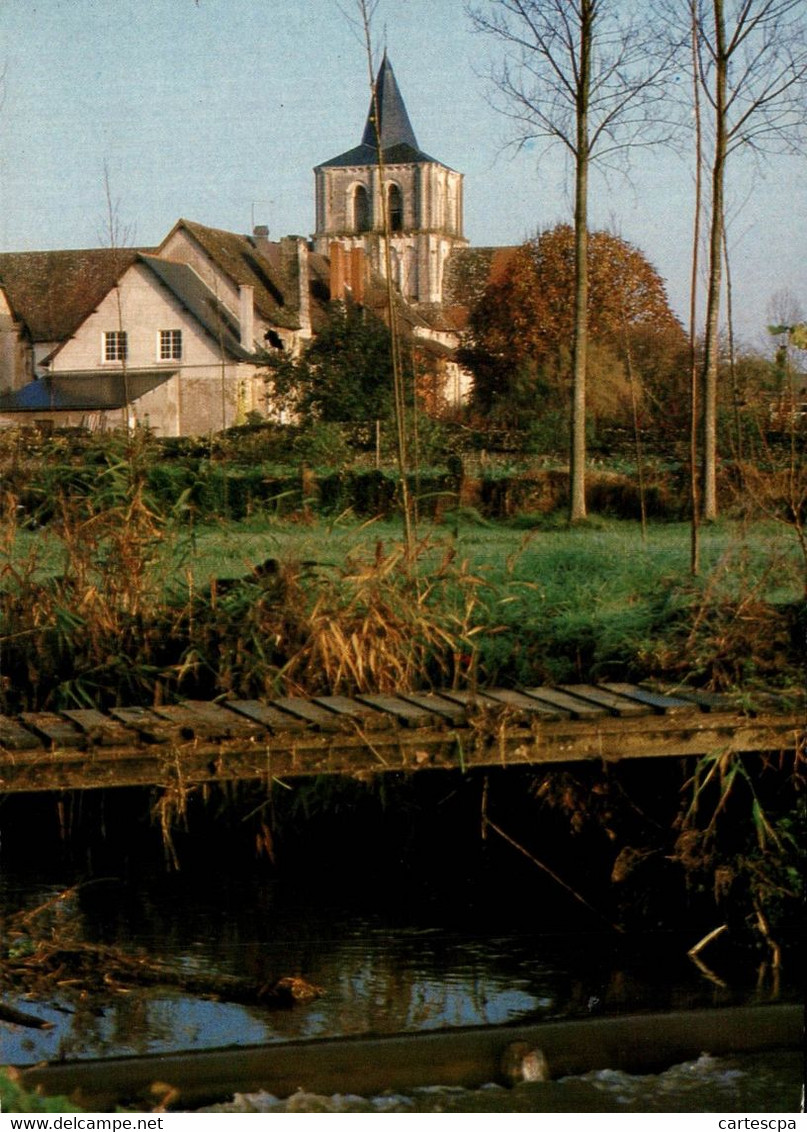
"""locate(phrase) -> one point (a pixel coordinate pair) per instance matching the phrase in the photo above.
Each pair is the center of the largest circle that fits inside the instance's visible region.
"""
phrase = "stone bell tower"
(424, 200)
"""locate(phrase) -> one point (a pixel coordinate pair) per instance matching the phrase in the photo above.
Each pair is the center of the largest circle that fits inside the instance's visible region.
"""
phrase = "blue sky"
(217, 110)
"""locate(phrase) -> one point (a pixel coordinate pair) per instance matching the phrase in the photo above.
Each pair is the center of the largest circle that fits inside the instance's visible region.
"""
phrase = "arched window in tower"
(361, 209)
(395, 208)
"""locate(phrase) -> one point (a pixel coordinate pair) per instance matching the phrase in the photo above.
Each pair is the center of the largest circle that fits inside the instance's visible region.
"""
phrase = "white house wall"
(209, 392)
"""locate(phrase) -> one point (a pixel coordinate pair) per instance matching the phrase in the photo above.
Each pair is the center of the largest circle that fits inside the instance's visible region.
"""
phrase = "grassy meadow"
(306, 604)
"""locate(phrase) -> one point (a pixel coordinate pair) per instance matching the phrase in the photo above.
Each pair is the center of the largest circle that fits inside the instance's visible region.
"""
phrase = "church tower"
(424, 200)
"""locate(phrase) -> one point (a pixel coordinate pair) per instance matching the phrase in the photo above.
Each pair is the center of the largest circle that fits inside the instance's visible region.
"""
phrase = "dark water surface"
(401, 965)
(391, 902)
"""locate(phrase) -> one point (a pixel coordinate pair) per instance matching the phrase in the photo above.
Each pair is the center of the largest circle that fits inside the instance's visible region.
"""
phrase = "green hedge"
(201, 488)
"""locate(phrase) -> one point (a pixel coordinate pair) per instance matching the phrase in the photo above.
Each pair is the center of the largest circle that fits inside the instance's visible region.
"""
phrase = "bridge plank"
(276, 721)
(662, 704)
(407, 714)
(616, 705)
(16, 738)
(439, 705)
(100, 729)
(146, 723)
(357, 713)
(472, 701)
(188, 722)
(707, 701)
(576, 708)
(529, 704)
(220, 721)
(313, 714)
(54, 729)
(196, 718)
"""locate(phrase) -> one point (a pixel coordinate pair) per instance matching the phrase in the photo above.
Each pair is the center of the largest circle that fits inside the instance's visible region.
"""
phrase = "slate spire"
(396, 129)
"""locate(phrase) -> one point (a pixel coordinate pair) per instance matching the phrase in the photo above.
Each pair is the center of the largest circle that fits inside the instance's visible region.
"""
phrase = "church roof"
(396, 129)
(398, 142)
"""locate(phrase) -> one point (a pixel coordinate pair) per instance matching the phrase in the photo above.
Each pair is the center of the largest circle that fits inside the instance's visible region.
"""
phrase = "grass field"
(496, 602)
(608, 552)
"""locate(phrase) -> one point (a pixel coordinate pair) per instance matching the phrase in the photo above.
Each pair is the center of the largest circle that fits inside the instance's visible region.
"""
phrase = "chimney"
(337, 272)
(261, 232)
(358, 270)
(304, 285)
(246, 316)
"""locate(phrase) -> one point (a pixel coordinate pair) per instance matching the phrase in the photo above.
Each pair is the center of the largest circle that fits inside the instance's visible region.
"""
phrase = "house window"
(170, 345)
(115, 346)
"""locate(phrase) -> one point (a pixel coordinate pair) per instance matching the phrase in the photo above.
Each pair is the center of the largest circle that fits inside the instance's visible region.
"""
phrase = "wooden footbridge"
(197, 742)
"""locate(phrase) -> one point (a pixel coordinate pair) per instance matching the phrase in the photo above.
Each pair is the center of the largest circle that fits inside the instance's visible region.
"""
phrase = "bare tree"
(587, 75)
(751, 62)
(365, 10)
(114, 235)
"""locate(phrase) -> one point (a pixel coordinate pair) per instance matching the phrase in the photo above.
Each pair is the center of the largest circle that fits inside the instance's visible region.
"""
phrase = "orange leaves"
(529, 311)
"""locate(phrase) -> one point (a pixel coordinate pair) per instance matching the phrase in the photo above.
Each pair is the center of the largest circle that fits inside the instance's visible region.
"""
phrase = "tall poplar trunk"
(712, 345)
(694, 493)
(399, 399)
(577, 489)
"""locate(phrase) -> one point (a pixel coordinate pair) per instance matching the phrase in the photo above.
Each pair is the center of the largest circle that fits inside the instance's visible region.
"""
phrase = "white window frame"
(114, 347)
(169, 345)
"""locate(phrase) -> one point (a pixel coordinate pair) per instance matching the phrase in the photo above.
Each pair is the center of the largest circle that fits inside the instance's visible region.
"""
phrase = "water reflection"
(381, 972)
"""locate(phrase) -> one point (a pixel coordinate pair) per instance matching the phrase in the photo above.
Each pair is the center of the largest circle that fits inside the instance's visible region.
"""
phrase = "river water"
(386, 962)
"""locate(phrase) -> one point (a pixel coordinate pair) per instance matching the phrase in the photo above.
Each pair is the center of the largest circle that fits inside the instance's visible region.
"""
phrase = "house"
(44, 296)
(290, 284)
(158, 347)
(177, 336)
(174, 338)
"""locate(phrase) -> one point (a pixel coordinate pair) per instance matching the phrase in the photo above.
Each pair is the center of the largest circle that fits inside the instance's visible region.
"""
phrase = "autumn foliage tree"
(521, 332)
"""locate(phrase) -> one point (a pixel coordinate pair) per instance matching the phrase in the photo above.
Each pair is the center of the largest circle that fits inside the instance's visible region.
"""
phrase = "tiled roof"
(53, 292)
(261, 264)
(239, 258)
(82, 390)
(368, 155)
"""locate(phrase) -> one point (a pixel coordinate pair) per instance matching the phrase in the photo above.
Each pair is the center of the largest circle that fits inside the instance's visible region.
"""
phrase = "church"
(176, 336)
(423, 199)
